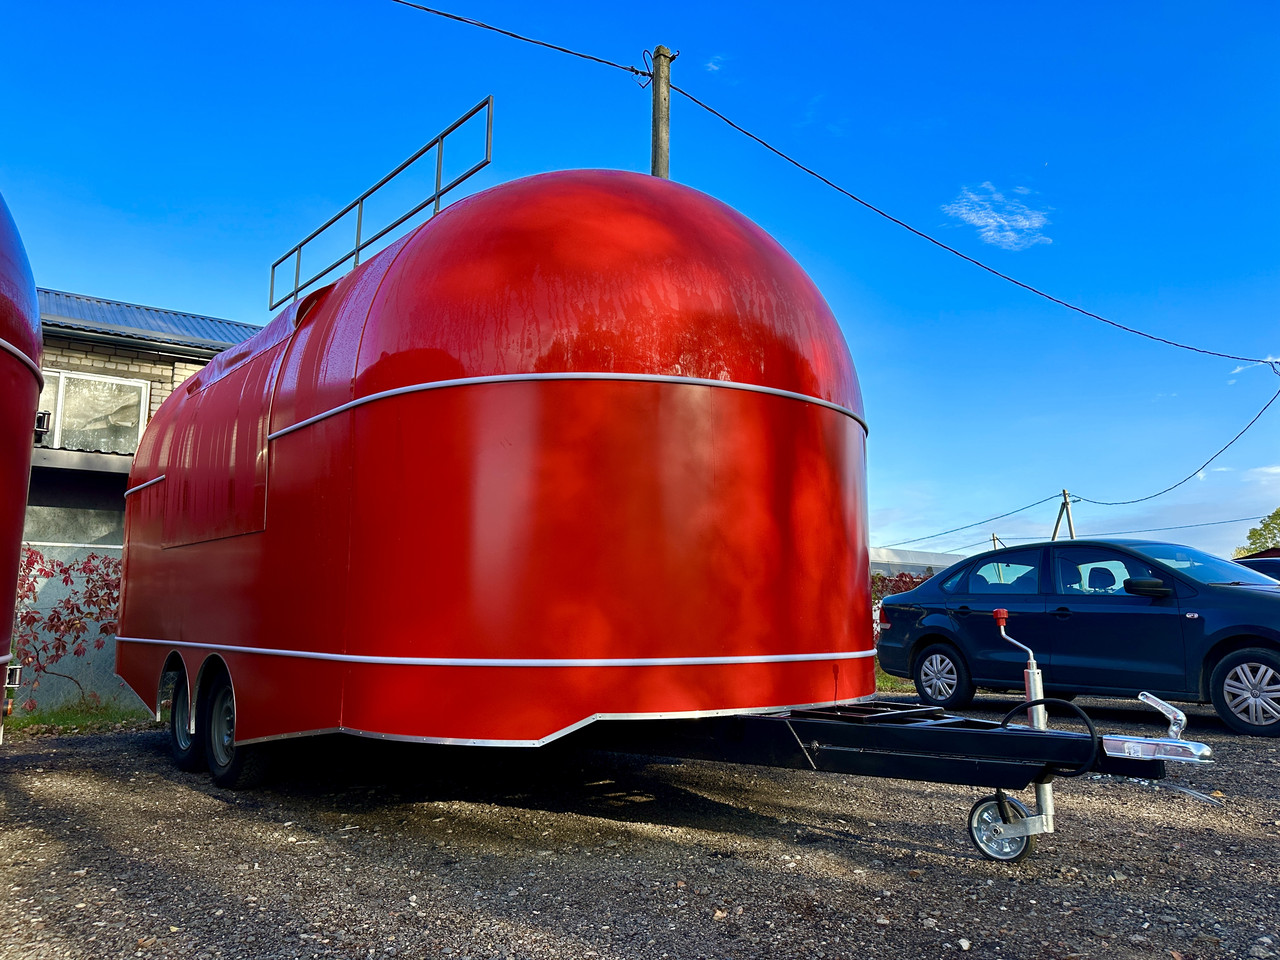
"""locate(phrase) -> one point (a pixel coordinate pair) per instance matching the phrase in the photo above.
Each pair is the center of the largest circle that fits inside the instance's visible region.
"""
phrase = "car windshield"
(1202, 566)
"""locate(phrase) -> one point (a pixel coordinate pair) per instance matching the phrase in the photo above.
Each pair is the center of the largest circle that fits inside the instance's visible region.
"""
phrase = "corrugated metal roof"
(72, 311)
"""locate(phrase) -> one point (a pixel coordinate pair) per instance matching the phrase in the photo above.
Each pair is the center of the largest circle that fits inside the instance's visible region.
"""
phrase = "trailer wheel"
(984, 824)
(234, 766)
(188, 750)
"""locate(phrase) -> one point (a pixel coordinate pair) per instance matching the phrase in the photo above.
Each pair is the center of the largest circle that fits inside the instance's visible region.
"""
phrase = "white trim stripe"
(143, 486)
(565, 731)
(534, 377)
(34, 367)
(512, 661)
(57, 543)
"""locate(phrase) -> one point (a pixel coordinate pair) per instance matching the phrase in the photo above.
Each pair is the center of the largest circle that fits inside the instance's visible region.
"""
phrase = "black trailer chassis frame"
(879, 739)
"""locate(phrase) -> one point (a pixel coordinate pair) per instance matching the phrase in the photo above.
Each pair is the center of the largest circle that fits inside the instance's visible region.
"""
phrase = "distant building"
(890, 561)
(107, 367)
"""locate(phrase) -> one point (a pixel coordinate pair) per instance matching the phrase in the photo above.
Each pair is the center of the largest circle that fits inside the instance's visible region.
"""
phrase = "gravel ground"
(370, 850)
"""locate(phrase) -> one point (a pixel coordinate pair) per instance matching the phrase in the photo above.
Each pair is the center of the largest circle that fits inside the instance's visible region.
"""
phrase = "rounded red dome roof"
(601, 271)
(19, 309)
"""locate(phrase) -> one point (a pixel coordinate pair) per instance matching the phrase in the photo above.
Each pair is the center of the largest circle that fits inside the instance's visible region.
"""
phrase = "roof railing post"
(439, 173)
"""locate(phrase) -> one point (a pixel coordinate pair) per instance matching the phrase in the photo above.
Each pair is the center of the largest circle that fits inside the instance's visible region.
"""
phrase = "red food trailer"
(586, 445)
(20, 383)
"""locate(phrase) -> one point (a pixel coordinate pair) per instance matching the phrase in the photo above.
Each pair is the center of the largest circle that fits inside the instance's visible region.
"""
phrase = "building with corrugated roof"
(107, 367)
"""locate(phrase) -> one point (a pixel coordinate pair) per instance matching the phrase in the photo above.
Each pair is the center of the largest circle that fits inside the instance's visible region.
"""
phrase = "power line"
(1102, 503)
(1275, 365)
(635, 71)
(968, 526)
(1122, 533)
(1120, 503)
(515, 36)
(1112, 533)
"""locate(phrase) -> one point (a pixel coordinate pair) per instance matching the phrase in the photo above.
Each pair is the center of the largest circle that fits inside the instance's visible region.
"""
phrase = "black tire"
(942, 677)
(984, 820)
(234, 766)
(187, 748)
(1245, 687)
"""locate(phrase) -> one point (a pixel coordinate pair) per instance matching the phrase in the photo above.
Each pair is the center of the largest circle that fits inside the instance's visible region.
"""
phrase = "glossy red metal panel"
(602, 270)
(543, 519)
(528, 706)
(319, 369)
(20, 348)
(606, 519)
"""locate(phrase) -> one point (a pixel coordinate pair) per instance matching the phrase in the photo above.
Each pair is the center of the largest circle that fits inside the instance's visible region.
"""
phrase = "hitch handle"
(1001, 615)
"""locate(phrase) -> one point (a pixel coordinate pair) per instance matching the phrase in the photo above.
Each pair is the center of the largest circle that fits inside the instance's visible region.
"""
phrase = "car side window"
(949, 584)
(1095, 571)
(1009, 573)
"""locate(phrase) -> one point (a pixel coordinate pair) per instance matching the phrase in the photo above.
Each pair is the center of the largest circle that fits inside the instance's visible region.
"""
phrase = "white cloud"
(1222, 469)
(1007, 223)
(713, 65)
(1267, 476)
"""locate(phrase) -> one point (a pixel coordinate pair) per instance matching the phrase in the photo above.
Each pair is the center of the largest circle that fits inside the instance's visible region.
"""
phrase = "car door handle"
(963, 611)
(1062, 613)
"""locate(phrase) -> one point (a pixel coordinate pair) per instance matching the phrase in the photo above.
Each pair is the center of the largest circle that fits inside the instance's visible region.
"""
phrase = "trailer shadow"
(693, 802)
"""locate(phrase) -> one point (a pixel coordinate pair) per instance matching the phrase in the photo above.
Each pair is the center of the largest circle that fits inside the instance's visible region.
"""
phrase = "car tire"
(1245, 686)
(942, 677)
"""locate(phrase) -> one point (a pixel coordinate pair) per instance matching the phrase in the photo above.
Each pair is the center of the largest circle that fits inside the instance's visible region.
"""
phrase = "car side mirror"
(1147, 587)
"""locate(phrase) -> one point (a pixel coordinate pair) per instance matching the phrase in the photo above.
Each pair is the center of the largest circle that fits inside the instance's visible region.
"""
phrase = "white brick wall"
(163, 374)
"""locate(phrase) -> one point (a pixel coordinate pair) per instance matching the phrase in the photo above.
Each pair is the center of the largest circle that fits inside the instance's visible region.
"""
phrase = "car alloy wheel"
(1245, 687)
(938, 673)
(1252, 693)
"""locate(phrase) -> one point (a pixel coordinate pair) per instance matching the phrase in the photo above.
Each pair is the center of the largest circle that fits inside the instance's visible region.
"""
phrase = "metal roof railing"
(362, 242)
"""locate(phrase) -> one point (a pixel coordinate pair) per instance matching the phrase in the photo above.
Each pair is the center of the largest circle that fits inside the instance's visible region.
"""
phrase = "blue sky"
(1121, 156)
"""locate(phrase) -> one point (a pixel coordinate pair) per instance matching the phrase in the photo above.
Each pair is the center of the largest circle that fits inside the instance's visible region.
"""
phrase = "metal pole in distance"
(661, 153)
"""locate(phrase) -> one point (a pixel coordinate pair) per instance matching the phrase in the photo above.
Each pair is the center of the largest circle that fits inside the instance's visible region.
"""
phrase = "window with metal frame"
(93, 413)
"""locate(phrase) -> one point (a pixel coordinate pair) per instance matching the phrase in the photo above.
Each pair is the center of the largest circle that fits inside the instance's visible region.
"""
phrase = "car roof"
(1078, 542)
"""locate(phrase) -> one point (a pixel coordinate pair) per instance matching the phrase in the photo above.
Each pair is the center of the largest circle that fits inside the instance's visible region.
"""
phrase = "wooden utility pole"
(661, 152)
(1064, 510)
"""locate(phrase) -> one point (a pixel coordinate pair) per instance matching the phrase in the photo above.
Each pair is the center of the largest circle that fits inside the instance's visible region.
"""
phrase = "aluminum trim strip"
(533, 377)
(30, 364)
(565, 731)
(142, 486)
(512, 661)
(5, 659)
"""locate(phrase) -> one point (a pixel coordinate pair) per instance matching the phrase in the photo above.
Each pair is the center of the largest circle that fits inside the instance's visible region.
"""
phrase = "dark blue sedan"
(1105, 617)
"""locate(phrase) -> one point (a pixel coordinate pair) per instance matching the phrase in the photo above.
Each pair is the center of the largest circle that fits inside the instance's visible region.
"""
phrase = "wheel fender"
(210, 667)
(176, 662)
(929, 639)
(1229, 644)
